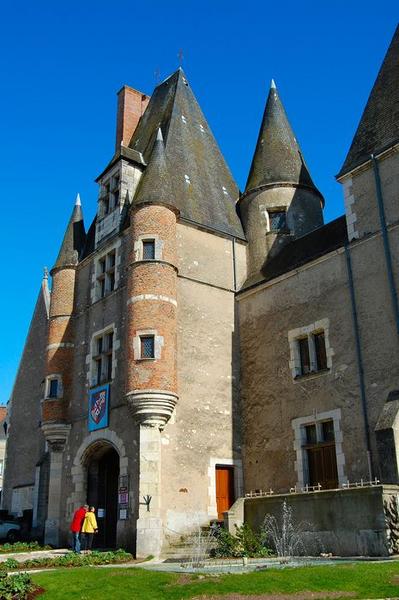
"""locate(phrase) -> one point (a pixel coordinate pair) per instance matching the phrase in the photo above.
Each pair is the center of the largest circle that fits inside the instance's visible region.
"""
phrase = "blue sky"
(62, 64)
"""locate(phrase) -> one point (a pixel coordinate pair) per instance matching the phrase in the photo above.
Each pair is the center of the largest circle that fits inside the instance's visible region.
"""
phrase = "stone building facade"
(199, 342)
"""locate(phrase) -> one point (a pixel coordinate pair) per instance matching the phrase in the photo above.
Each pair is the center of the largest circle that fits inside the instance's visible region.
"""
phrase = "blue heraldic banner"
(99, 407)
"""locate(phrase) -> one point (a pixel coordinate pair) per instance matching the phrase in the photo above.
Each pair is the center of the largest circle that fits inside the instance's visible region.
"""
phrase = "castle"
(199, 342)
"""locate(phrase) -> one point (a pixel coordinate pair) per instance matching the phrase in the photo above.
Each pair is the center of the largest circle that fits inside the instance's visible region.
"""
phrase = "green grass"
(365, 580)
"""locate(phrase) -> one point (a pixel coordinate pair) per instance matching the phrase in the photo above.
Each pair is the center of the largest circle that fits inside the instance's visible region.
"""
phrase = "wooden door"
(224, 489)
(322, 463)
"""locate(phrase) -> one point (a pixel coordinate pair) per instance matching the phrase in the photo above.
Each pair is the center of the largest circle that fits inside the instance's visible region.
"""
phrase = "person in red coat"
(76, 527)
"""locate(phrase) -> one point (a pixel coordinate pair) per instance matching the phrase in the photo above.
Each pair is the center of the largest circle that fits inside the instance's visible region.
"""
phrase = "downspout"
(233, 244)
(359, 358)
(387, 248)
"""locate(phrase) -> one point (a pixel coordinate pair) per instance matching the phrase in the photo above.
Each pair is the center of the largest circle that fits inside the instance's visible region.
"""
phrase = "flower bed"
(69, 560)
(22, 547)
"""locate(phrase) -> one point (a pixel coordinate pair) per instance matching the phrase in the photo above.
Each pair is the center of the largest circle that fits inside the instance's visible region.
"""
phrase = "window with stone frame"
(277, 220)
(321, 458)
(109, 195)
(53, 386)
(102, 358)
(106, 269)
(309, 349)
(312, 353)
(148, 249)
(147, 346)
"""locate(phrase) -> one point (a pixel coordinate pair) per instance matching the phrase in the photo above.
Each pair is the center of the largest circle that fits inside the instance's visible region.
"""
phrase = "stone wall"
(351, 522)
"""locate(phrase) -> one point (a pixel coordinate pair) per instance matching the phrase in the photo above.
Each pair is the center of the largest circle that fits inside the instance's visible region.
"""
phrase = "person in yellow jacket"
(89, 527)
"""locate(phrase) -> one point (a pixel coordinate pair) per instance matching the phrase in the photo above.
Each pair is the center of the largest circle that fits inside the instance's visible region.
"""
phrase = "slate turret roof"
(74, 239)
(155, 184)
(278, 157)
(378, 129)
(203, 188)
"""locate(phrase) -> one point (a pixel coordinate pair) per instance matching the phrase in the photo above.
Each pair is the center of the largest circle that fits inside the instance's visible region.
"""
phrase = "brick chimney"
(131, 105)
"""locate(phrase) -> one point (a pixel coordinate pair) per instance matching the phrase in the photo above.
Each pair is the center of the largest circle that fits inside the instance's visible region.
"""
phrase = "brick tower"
(280, 202)
(60, 352)
(152, 332)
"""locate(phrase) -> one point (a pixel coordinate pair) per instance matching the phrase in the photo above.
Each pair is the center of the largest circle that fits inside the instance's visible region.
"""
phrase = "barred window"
(147, 346)
(278, 220)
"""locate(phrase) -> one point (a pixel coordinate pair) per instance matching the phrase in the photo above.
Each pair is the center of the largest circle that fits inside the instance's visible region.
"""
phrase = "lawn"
(365, 580)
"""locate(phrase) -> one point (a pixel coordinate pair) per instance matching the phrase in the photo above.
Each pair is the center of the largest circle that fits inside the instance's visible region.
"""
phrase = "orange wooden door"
(224, 489)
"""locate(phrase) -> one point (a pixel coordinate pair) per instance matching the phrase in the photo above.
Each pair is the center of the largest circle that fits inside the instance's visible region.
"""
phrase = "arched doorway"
(102, 491)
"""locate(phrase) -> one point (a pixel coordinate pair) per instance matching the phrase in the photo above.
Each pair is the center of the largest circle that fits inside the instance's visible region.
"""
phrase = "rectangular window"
(327, 428)
(278, 220)
(53, 388)
(106, 274)
(148, 249)
(304, 355)
(320, 351)
(311, 434)
(147, 346)
(102, 360)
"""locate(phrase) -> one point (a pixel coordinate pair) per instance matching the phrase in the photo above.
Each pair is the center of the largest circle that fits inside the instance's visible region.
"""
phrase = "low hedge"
(69, 560)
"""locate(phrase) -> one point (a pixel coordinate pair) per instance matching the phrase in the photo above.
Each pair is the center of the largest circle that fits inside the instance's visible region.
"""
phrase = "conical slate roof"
(378, 129)
(155, 185)
(203, 188)
(278, 157)
(74, 239)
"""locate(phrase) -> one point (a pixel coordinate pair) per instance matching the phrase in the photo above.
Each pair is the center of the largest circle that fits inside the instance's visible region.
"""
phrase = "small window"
(148, 249)
(304, 355)
(147, 346)
(53, 388)
(320, 350)
(278, 220)
(1, 467)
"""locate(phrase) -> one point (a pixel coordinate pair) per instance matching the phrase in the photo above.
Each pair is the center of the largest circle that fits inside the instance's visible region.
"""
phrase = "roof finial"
(273, 85)
(45, 273)
(159, 135)
(77, 201)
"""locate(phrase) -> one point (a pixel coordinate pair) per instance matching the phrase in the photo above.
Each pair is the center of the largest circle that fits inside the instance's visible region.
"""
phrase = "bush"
(69, 560)
(15, 587)
(245, 542)
(22, 547)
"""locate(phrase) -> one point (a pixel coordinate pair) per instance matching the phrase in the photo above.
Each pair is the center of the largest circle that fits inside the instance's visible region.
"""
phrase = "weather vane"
(180, 56)
(157, 75)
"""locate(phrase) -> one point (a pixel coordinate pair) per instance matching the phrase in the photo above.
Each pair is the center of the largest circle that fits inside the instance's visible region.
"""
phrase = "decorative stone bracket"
(152, 408)
(56, 435)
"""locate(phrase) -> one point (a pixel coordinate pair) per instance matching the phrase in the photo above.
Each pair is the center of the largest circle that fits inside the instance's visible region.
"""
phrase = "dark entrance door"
(224, 489)
(102, 493)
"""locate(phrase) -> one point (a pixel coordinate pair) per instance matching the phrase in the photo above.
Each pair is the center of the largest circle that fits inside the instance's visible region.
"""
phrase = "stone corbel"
(151, 408)
(56, 435)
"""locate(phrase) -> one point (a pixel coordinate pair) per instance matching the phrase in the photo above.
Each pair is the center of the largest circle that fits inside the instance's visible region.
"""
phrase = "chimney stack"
(131, 105)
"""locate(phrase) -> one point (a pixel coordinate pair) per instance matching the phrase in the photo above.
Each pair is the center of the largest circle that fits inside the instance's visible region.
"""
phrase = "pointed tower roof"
(278, 157)
(378, 129)
(155, 184)
(203, 188)
(74, 238)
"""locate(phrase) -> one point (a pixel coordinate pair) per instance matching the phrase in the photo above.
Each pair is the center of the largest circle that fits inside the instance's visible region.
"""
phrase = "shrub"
(245, 542)
(15, 587)
(69, 560)
(22, 547)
